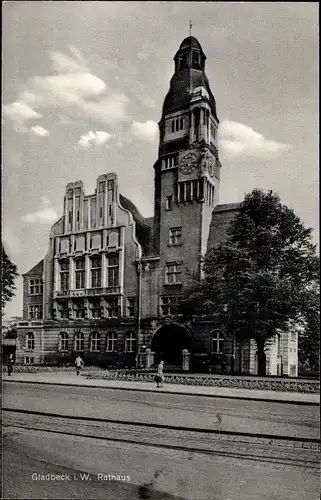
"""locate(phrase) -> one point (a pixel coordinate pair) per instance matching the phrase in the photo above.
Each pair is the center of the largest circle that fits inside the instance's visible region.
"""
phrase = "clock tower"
(187, 171)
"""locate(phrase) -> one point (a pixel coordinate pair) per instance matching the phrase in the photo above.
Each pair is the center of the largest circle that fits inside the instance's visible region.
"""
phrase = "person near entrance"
(79, 364)
(10, 364)
(159, 378)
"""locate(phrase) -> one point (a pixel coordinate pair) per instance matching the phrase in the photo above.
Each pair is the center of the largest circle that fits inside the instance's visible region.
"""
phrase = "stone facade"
(110, 276)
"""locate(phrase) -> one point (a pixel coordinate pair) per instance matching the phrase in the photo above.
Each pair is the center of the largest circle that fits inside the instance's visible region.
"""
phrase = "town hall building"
(105, 290)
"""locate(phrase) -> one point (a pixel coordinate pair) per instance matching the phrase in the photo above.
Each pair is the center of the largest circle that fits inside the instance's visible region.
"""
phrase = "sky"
(83, 87)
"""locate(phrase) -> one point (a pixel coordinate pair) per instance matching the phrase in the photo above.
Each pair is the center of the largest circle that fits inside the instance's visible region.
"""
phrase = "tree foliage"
(263, 276)
(9, 274)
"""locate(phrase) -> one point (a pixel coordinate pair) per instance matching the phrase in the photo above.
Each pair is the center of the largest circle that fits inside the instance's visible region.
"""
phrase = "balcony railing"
(86, 292)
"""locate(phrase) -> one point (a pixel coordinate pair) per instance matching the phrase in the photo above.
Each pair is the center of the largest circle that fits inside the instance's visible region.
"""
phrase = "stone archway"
(168, 343)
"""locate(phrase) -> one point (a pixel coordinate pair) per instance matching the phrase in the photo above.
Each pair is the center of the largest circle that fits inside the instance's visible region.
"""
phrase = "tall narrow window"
(131, 308)
(169, 201)
(96, 272)
(63, 341)
(95, 342)
(111, 344)
(173, 125)
(64, 275)
(80, 309)
(181, 123)
(30, 341)
(113, 308)
(217, 342)
(79, 342)
(96, 309)
(113, 270)
(80, 273)
(130, 342)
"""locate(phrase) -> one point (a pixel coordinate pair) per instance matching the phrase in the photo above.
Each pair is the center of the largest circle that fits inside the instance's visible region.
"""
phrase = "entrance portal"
(169, 342)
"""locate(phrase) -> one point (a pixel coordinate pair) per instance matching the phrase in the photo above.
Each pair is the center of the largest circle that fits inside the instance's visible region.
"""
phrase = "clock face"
(188, 163)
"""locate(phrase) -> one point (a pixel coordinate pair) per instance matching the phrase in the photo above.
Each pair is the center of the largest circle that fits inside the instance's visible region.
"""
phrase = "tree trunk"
(261, 358)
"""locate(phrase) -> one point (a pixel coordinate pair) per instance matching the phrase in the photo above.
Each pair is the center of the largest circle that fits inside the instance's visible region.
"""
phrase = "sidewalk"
(71, 379)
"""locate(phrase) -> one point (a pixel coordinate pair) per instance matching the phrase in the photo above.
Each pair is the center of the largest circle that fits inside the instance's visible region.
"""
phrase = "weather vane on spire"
(190, 28)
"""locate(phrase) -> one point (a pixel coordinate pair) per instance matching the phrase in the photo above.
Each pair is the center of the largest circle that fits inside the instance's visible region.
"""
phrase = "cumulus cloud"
(37, 130)
(44, 215)
(147, 130)
(73, 89)
(238, 140)
(20, 112)
(93, 138)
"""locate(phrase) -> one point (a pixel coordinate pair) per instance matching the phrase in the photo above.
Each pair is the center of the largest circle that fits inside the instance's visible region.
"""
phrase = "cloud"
(20, 112)
(42, 216)
(93, 138)
(147, 131)
(238, 140)
(37, 130)
(73, 89)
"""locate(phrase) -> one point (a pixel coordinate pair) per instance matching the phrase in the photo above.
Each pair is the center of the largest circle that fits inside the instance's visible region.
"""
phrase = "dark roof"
(182, 85)
(227, 207)
(190, 42)
(36, 270)
(143, 229)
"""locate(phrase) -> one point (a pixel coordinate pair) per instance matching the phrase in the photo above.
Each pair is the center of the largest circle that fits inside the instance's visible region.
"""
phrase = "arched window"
(30, 340)
(130, 342)
(79, 341)
(217, 342)
(63, 341)
(111, 344)
(95, 341)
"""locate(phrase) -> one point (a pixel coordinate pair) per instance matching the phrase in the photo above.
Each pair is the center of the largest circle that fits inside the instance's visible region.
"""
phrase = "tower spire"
(190, 28)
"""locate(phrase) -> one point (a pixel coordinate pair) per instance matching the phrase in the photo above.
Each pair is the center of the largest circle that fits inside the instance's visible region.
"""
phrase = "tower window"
(170, 162)
(175, 236)
(169, 201)
(181, 123)
(173, 125)
(173, 273)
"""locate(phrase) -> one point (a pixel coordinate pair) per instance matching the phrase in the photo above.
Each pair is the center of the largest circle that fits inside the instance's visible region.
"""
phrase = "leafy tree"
(309, 335)
(257, 281)
(9, 274)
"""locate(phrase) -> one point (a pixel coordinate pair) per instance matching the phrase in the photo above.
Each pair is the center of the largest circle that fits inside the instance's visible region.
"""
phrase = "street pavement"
(235, 415)
(186, 475)
(168, 473)
(67, 378)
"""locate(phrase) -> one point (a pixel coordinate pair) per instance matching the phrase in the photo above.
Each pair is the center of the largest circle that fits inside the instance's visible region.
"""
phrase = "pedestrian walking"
(79, 364)
(159, 378)
(10, 364)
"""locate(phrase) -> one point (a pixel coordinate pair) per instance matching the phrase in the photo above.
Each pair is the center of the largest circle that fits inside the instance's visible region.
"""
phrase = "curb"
(134, 389)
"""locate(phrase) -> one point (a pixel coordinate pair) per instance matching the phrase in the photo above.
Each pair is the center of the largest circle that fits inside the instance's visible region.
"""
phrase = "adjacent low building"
(107, 285)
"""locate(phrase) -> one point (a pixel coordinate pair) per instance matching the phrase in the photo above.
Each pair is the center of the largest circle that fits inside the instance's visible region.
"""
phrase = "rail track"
(282, 451)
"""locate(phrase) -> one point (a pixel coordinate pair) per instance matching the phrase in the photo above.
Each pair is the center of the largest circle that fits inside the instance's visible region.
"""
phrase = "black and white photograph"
(160, 291)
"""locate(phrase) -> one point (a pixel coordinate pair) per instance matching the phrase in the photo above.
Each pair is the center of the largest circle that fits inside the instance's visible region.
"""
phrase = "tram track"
(281, 450)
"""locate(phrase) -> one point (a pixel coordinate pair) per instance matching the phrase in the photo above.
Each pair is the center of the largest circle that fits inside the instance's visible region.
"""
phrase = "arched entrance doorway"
(169, 342)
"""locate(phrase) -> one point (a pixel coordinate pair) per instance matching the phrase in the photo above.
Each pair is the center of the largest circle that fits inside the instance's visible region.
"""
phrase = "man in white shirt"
(79, 364)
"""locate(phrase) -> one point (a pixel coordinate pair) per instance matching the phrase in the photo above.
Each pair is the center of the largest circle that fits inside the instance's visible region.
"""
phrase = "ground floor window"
(29, 360)
(111, 342)
(130, 342)
(95, 342)
(79, 343)
(217, 341)
(63, 341)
